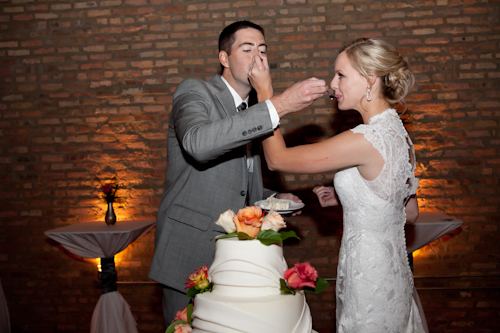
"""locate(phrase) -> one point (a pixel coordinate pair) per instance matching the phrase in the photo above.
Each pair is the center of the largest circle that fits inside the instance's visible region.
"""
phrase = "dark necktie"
(242, 107)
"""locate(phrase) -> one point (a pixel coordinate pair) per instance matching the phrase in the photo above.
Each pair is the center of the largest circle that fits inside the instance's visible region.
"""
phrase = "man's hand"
(299, 96)
(326, 196)
(260, 78)
(291, 197)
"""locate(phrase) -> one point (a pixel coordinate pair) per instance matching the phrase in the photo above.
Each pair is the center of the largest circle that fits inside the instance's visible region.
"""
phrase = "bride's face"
(349, 85)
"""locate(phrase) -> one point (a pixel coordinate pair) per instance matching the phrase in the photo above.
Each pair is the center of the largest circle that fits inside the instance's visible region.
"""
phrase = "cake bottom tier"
(274, 314)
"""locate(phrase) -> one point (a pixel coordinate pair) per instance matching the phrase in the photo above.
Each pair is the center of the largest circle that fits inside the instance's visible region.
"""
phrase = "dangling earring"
(368, 94)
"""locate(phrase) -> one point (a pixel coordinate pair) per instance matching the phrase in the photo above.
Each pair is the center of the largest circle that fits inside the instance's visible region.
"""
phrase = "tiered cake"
(246, 296)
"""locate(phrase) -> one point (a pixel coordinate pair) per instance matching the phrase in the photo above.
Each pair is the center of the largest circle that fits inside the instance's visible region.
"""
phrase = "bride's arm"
(343, 150)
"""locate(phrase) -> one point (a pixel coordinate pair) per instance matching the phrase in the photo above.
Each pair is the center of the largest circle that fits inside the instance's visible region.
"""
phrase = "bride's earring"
(368, 94)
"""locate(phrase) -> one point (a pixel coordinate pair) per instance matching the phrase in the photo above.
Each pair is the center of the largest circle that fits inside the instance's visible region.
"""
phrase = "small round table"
(98, 240)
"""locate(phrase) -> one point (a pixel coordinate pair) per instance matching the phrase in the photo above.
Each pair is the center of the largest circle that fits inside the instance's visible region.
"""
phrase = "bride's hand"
(326, 196)
(260, 78)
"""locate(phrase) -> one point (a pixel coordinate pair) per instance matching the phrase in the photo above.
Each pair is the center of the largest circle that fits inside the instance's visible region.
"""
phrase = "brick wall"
(86, 89)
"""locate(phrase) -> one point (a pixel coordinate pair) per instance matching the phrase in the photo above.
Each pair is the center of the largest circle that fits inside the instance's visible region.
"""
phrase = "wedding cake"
(246, 294)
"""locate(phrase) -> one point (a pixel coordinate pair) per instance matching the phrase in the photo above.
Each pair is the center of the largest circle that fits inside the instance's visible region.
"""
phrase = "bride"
(375, 184)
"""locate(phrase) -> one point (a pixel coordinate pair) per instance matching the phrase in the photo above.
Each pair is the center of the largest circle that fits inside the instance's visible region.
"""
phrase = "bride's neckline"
(382, 114)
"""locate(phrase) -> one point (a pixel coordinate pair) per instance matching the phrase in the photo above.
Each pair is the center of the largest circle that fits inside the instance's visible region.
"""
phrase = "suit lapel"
(224, 95)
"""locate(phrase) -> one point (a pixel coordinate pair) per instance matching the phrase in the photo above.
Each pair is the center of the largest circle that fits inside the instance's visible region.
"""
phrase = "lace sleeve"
(372, 137)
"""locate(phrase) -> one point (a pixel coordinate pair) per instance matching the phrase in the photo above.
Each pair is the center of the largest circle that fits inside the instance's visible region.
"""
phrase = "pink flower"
(181, 315)
(198, 278)
(183, 328)
(273, 221)
(301, 275)
(248, 220)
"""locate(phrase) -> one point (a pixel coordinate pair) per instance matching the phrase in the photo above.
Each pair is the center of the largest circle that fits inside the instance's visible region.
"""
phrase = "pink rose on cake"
(301, 275)
(181, 315)
(182, 321)
(273, 221)
(248, 220)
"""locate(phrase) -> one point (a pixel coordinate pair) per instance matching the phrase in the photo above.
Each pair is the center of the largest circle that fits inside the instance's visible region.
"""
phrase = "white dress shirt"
(273, 114)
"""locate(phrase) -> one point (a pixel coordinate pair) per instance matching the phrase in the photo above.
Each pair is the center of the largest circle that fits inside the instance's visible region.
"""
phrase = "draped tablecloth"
(428, 227)
(98, 240)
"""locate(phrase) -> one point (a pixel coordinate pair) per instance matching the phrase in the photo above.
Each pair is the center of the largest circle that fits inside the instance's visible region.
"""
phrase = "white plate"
(292, 206)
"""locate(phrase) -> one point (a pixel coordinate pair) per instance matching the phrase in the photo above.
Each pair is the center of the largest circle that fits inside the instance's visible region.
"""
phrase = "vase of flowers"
(109, 195)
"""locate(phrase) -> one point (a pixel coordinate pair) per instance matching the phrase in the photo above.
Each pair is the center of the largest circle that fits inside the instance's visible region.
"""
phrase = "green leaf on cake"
(231, 235)
(285, 288)
(189, 312)
(243, 236)
(321, 284)
(268, 237)
(288, 234)
(192, 292)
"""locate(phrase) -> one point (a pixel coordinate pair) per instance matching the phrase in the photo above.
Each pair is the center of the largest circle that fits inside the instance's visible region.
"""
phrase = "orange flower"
(248, 220)
(198, 278)
(181, 315)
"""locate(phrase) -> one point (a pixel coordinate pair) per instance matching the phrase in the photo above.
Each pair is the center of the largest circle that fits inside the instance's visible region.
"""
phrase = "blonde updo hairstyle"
(377, 57)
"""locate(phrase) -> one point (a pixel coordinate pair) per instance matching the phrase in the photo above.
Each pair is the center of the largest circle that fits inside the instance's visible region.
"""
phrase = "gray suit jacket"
(206, 175)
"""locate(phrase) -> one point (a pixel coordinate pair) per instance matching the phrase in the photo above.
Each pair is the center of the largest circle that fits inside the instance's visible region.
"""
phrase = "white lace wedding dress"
(374, 279)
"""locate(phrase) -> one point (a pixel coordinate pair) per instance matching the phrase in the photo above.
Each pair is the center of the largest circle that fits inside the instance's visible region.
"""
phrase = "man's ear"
(224, 58)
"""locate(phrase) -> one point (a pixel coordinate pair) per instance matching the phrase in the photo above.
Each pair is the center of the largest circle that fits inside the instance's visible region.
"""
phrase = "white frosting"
(246, 295)
(276, 204)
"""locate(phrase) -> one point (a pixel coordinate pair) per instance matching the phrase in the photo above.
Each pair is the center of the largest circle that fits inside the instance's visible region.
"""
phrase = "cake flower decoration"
(198, 282)
(302, 276)
(252, 223)
(182, 321)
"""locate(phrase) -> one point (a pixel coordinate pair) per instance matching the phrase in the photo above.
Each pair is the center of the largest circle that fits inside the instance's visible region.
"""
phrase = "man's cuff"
(275, 119)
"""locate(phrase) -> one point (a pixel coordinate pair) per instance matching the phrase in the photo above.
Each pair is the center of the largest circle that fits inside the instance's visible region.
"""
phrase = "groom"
(210, 165)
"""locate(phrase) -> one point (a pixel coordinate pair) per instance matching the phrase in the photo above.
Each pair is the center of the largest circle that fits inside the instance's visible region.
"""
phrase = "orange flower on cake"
(248, 220)
(183, 328)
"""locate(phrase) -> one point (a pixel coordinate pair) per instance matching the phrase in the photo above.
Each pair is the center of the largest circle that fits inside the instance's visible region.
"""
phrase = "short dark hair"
(227, 36)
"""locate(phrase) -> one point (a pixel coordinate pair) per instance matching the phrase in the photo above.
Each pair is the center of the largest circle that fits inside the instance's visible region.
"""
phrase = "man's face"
(249, 43)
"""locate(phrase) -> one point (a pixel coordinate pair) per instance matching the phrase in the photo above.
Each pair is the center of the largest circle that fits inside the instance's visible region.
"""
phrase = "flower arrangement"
(302, 276)
(198, 282)
(182, 321)
(109, 189)
(252, 222)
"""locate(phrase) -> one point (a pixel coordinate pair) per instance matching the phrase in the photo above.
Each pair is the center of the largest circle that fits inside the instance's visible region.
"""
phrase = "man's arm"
(204, 138)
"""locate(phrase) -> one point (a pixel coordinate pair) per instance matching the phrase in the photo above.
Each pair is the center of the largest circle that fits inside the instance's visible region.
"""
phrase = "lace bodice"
(374, 280)
(387, 134)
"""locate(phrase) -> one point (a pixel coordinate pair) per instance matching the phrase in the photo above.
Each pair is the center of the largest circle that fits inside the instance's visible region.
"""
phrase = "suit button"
(254, 129)
(244, 133)
(242, 193)
(259, 127)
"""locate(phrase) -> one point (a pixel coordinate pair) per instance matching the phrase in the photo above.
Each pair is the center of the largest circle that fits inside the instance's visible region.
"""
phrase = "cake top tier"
(247, 264)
